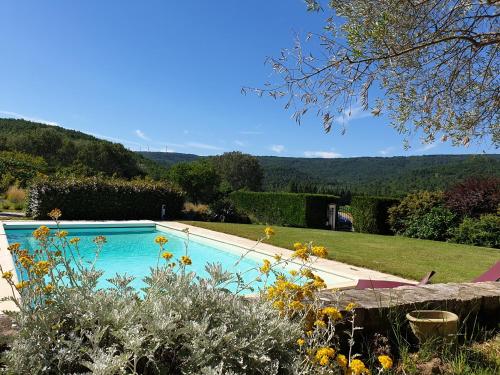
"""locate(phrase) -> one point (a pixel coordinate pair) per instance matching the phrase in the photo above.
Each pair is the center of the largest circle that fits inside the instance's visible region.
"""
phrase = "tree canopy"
(436, 63)
(239, 171)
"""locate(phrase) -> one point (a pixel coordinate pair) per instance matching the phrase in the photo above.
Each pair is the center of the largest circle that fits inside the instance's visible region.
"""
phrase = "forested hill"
(72, 152)
(367, 175)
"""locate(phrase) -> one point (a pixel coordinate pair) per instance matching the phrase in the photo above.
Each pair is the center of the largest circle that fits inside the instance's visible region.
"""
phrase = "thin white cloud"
(386, 151)
(354, 113)
(203, 146)
(427, 147)
(27, 118)
(239, 143)
(277, 148)
(322, 154)
(141, 135)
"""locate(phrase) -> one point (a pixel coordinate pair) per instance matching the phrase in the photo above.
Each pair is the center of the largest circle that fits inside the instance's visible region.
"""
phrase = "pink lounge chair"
(381, 284)
(493, 274)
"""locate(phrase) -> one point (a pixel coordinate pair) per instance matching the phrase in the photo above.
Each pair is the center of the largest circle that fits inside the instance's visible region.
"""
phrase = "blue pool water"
(133, 251)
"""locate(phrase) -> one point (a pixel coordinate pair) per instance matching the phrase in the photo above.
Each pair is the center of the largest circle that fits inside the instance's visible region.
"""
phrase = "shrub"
(433, 225)
(474, 197)
(223, 210)
(370, 214)
(411, 207)
(289, 209)
(15, 195)
(104, 199)
(198, 212)
(484, 231)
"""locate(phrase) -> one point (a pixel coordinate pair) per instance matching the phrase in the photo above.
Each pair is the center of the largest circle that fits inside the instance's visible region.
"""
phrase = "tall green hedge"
(289, 209)
(370, 214)
(103, 199)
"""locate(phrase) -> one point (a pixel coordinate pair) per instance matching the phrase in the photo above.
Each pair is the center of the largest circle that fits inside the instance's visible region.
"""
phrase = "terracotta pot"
(427, 324)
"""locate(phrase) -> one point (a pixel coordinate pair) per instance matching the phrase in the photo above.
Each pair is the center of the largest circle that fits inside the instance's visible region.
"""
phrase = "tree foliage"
(436, 63)
(474, 196)
(69, 152)
(239, 171)
(198, 179)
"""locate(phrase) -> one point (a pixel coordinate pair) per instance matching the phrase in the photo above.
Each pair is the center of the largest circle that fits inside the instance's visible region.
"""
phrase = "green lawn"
(406, 257)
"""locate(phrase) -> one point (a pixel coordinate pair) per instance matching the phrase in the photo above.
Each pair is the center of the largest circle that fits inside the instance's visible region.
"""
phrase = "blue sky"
(155, 74)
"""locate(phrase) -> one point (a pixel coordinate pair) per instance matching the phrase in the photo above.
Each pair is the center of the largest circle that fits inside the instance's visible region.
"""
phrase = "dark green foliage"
(238, 171)
(382, 176)
(411, 208)
(198, 179)
(19, 168)
(435, 224)
(224, 210)
(370, 214)
(103, 199)
(484, 231)
(288, 209)
(69, 152)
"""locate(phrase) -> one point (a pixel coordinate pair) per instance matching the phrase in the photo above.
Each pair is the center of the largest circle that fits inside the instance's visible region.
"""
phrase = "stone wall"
(379, 308)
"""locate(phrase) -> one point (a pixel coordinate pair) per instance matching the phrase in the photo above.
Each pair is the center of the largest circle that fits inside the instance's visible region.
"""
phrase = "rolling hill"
(72, 152)
(364, 175)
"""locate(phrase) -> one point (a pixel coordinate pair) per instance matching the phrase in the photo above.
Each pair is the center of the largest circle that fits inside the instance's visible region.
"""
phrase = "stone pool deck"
(345, 276)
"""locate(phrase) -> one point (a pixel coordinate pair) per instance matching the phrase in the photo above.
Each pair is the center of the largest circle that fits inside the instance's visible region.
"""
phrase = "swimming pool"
(133, 251)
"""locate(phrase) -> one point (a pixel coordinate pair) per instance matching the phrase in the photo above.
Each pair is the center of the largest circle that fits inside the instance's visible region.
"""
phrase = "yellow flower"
(279, 305)
(278, 257)
(58, 253)
(14, 247)
(357, 367)
(342, 360)
(385, 361)
(301, 253)
(26, 261)
(297, 245)
(166, 255)
(350, 306)
(294, 272)
(161, 240)
(21, 285)
(61, 234)
(74, 240)
(320, 324)
(296, 305)
(301, 342)
(320, 251)
(266, 267)
(55, 213)
(42, 268)
(49, 288)
(269, 232)
(323, 355)
(100, 240)
(41, 232)
(7, 275)
(324, 361)
(186, 260)
(332, 313)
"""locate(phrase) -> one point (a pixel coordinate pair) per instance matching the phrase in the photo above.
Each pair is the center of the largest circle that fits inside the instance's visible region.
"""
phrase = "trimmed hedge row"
(370, 214)
(103, 199)
(289, 209)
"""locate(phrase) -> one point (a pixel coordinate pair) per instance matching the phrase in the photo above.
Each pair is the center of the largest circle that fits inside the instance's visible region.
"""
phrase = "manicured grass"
(406, 257)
